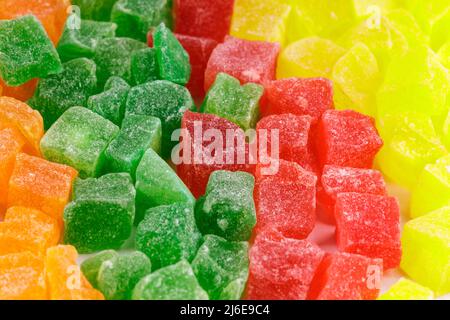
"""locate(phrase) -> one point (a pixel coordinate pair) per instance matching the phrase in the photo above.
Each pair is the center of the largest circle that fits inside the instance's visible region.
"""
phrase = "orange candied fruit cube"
(22, 277)
(51, 13)
(40, 184)
(11, 143)
(22, 93)
(17, 114)
(65, 281)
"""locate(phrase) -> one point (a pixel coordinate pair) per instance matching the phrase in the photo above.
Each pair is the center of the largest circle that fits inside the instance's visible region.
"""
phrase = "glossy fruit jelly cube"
(405, 289)
(82, 41)
(435, 177)
(260, 20)
(119, 275)
(144, 66)
(299, 96)
(110, 103)
(91, 266)
(138, 133)
(248, 61)
(18, 115)
(309, 57)
(227, 209)
(347, 138)
(51, 13)
(173, 60)
(336, 180)
(221, 267)
(199, 50)
(64, 279)
(27, 52)
(345, 276)
(40, 184)
(203, 18)
(426, 250)
(168, 234)
(228, 99)
(175, 282)
(136, 17)
(79, 138)
(162, 99)
(101, 213)
(72, 87)
(369, 225)
(294, 139)
(113, 58)
(11, 143)
(286, 201)
(26, 229)
(22, 277)
(157, 184)
(281, 268)
(195, 171)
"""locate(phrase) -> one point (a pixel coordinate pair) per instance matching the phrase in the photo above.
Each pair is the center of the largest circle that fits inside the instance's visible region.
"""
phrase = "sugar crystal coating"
(79, 138)
(101, 213)
(220, 264)
(168, 234)
(26, 52)
(110, 103)
(227, 209)
(144, 66)
(175, 282)
(72, 87)
(119, 275)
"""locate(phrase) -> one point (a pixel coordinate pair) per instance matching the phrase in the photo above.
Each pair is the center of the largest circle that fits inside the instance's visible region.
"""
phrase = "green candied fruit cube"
(173, 60)
(59, 92)
(101, 213)
(26, 52)
(113, 58)
(110, 103)
(144, 66)
(138, 133)
(136, 17)
(168, 234)
(99, 10)
(119, 275)
(164, 100)
(157, 184)
(221, 267)
(81, 42)
(175, 282)
(227, 209)
(79, 139)
(229, 100)
(91, 266)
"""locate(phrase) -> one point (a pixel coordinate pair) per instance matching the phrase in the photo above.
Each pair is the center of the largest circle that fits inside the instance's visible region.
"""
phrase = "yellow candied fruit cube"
(405, 289)
(427, 12)
(435, 177)
(408, 148)
(309, 57)
(260, 20)
(365, 7)
(440, 30)
(426, 250)
(444, 55)
(356, 77)
(406, 23)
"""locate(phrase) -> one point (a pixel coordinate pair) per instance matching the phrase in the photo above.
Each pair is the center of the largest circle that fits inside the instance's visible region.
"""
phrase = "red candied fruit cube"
(203, 18)
(300, 96)
(369, 225)
(286, 201)
(337, 180)
(345, 276)
(281, 268)
(347, 139)
(194, 173)
(199, 50)
(248, 61)
(293, 139)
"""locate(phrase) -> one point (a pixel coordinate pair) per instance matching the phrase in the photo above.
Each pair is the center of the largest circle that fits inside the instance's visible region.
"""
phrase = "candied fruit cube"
(405, 289)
